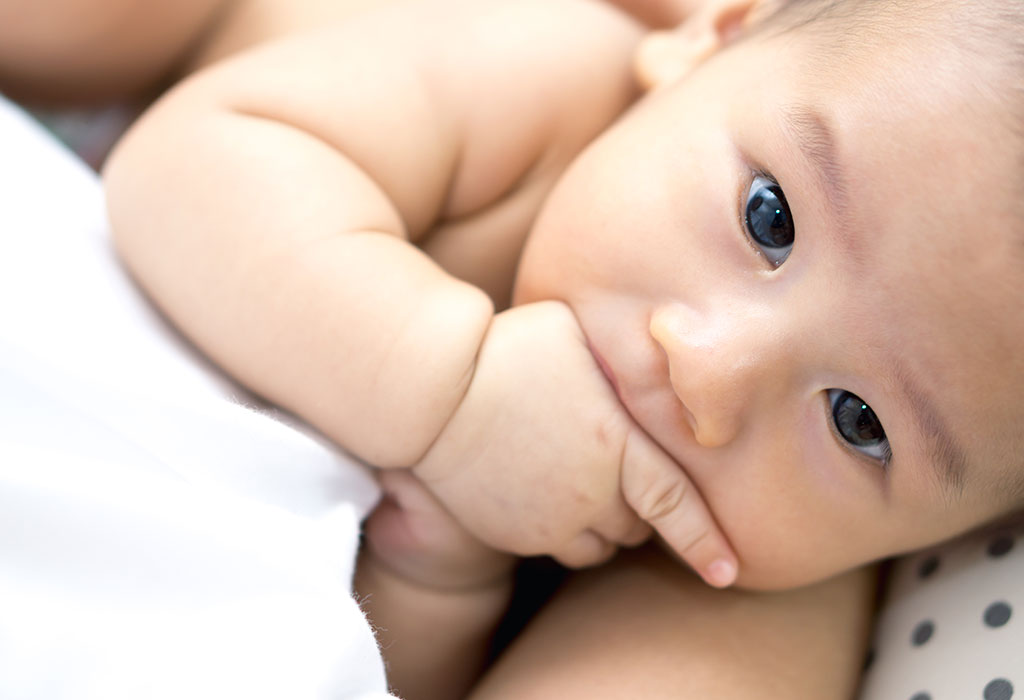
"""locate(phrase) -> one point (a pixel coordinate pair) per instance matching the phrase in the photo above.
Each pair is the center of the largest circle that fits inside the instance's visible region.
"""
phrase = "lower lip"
(605, 369)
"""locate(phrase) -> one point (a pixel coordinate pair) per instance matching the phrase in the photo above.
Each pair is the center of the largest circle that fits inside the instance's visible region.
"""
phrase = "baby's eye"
(768, 220)
(858, 425)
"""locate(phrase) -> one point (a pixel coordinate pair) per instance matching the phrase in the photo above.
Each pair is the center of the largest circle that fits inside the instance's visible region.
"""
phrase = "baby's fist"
(530, 461)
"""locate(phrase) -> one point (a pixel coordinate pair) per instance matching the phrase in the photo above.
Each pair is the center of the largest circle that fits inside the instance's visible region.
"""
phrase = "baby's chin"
(773, 576)
(524, 287)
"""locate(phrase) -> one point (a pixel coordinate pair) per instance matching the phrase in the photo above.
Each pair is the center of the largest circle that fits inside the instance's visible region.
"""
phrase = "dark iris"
(856, 422)
(768, 218)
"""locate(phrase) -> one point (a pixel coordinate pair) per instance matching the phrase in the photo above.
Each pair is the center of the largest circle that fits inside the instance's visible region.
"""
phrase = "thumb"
(660, 492)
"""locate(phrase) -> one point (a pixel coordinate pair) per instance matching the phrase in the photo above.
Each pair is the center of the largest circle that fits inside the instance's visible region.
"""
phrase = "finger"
(389, 527)
(417, 521)
(407, 492)
(587, 549)
(617, 522)
(623, 526)
(640, 533)
(662, 495)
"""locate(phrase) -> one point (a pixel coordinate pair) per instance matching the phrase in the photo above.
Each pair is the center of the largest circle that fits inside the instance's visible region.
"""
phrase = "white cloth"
(158, 539)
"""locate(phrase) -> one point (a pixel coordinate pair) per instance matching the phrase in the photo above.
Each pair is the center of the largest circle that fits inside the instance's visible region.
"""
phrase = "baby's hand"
(434, 593)
(412, 535)
(542, 458)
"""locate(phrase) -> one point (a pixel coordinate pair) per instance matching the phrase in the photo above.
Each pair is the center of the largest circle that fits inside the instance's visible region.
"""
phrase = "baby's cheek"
(786, 552)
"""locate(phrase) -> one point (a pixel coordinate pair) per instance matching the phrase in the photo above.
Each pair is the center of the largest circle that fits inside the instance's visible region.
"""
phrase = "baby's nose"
(723, 366)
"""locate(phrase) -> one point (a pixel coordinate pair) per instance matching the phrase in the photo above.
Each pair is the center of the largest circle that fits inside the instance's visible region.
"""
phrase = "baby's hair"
(989, 31)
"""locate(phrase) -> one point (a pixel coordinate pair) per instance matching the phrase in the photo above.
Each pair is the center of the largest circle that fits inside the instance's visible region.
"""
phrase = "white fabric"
(157, 538)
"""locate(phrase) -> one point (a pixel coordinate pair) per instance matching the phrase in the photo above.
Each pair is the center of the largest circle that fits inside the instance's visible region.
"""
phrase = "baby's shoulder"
(462, 112)
(529, 84)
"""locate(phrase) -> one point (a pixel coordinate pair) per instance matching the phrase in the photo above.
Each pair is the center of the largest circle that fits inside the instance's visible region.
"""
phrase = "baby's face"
(804, 282)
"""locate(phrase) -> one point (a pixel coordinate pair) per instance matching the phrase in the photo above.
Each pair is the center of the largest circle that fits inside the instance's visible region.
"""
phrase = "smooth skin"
(645, 628)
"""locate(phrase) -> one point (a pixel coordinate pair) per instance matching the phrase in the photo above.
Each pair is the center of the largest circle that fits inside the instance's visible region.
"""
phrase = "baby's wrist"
(497, 381)
(493, 581)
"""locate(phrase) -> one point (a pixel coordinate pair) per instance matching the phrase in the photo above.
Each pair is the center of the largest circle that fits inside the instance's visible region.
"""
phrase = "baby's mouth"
(605, 369)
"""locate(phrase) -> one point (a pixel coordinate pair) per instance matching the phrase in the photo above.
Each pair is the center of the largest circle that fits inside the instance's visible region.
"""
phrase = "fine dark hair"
(987, 33)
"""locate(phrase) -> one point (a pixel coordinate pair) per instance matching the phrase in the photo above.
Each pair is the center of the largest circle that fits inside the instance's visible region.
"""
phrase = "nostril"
(702, 371)
(691, 419)
(665, 329)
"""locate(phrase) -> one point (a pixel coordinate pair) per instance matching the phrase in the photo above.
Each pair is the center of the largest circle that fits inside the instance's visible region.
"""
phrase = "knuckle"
(660, 499)
(608, 432)
(694, 542)
(571, 559)
(587, 549)
(636, 535)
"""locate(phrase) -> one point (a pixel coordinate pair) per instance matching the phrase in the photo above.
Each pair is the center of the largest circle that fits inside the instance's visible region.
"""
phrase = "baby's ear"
(664, 56)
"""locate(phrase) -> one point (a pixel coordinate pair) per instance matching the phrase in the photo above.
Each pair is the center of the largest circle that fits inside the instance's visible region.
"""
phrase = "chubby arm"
(433, 592)
(267, 205)
(643, 628)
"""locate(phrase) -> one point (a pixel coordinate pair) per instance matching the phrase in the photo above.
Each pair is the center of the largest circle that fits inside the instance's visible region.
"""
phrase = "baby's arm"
(268, 204)
(434, 593)
(643, 628)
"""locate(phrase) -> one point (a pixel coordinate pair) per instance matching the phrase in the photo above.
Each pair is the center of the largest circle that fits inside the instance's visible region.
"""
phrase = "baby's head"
(802, 260)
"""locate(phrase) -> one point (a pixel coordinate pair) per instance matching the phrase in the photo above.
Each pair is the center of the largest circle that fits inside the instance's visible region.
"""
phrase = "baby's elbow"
(151, 171)
(128, 189)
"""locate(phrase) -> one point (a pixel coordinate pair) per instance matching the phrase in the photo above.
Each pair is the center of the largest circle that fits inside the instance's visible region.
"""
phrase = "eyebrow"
(947, 456)
(815, 137)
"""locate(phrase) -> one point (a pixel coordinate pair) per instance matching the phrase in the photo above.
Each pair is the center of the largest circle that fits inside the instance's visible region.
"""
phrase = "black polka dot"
(921, 696)
(999, 689)
(922, 633)
(997, 614)
(1000, 546)
(928, 567)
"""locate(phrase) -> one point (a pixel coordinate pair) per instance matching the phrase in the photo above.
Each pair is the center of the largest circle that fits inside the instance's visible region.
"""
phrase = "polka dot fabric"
(951, 626)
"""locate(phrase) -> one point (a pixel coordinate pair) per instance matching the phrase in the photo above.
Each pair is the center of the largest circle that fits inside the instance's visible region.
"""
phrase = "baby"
(393, 350)
(749, 314)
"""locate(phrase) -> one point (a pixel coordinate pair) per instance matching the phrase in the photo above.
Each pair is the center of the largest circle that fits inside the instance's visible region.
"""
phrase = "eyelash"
(766, 241)
(884, 460)
(779, 238)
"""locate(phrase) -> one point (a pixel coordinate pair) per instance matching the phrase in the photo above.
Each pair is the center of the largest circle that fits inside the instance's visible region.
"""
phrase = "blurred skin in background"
(89, 51)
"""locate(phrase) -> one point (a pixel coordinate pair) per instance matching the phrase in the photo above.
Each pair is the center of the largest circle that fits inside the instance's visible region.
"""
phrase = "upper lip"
(628, 403)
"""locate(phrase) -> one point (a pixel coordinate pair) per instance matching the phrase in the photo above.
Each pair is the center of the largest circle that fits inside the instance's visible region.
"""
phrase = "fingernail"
(721, 573)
